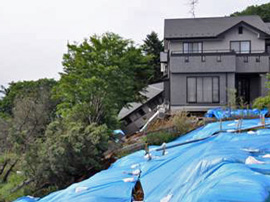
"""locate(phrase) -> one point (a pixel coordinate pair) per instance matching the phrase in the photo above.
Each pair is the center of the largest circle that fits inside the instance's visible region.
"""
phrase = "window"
(192, 47)
(186, 59)
(141, 112)
(240, 30)
(191, 83)
(240, 46)
(258, 59)
(127, 121)
(203, 89)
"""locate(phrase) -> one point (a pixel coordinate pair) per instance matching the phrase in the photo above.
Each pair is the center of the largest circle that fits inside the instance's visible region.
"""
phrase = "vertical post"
(220, 124)
(262, 117)
(163, 148)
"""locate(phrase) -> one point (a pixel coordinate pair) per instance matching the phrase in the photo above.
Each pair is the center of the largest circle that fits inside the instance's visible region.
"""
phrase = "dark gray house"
(205, 57)
(134, 117)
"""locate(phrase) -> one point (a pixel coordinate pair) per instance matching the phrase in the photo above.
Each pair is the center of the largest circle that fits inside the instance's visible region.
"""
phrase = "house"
(206, 57)
(136, 115)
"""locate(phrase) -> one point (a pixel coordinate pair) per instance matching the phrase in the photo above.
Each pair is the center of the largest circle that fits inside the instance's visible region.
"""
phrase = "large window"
(203, 89)
(192, 47)
(240, 46)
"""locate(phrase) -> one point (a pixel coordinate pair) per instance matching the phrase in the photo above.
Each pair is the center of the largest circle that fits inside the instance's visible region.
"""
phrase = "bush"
(157, 138)
(262, 102)
(184, 123)
(71, 151)
(179, 124)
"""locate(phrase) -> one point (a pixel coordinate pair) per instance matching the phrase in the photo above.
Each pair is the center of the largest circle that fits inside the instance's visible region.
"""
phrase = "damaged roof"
(150, 92)
(209, 27)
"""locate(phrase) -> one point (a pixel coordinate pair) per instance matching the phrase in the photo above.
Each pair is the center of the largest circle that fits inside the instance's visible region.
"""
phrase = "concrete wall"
(223, 43)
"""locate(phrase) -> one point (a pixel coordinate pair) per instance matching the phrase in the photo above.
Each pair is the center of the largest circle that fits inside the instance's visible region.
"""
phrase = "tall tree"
(101, 75)
(22, 89)
(152, 47)
(262, 10)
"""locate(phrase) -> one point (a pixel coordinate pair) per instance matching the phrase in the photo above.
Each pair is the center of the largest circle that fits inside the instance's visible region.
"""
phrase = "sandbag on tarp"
(225, 167)
(220, 113)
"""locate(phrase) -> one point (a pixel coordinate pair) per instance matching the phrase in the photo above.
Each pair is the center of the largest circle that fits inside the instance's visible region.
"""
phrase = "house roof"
(150, 92)
(209, 27)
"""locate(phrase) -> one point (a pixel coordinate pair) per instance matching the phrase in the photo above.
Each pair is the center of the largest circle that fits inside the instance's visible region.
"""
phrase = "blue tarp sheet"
(220, 113)
(226, 167)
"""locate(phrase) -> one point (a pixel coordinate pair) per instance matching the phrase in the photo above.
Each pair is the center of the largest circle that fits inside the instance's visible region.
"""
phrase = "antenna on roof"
(193, 4)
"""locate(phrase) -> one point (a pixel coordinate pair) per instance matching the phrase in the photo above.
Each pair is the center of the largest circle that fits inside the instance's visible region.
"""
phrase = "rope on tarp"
(238, 129)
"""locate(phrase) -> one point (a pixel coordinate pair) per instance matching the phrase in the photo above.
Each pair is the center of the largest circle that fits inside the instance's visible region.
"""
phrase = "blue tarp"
(226, 167)
(220, 113)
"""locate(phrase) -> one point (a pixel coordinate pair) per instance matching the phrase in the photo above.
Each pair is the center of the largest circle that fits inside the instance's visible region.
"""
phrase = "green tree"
(27, 110)
(71, 150)
(152, 47)
(262, 10)
(263, 102)
(101, 75)
(21, 89)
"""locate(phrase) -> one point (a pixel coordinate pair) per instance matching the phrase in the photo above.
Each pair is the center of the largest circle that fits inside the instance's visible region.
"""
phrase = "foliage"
(22, 89)
(27, 109)
(31, 115)
(69, 152)
(262, 10)
(15, 178)
(101, 75)
(157, 138)
(183, 122)
(263, 102)
(6, 193)
(5, 125)
(152, 47)
(232, 98)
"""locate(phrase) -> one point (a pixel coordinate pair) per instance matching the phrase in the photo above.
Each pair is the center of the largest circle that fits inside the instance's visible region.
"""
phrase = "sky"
(34, 33)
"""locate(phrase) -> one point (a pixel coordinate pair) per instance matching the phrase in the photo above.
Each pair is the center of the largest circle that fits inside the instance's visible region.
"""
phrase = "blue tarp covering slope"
(226, 167)
(220, 113)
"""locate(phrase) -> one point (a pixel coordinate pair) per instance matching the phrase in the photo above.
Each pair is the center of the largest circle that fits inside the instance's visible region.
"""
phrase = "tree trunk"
(9, 171)
(24, 183)
(4, 166)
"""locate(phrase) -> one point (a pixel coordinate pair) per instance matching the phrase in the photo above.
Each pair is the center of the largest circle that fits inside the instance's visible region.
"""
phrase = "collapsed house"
(136, 115)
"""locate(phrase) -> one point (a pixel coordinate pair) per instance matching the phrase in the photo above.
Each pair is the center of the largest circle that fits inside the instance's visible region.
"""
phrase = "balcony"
(251, 63)
(203, 62)
(218, 62)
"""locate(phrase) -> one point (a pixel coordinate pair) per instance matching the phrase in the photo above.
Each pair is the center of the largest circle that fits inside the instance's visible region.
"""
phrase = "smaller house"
(134, 117)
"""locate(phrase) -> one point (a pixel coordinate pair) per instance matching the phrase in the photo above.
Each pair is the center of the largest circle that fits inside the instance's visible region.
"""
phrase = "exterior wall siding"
(254, 63)
(179, 89)
(223, 43)
(178, 64)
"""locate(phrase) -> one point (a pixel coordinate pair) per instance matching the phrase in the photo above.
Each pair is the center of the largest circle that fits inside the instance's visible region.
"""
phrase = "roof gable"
(209, 27)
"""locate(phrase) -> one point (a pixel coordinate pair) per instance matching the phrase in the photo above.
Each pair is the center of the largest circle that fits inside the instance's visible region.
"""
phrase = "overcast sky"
(34, 33)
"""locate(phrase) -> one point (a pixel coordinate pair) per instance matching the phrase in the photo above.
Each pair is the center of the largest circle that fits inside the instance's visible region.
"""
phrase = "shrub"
(183, 122)
(157, 138)
(262, 102)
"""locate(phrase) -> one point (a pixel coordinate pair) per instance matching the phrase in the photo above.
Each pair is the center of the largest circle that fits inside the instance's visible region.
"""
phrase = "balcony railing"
(219, 61)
